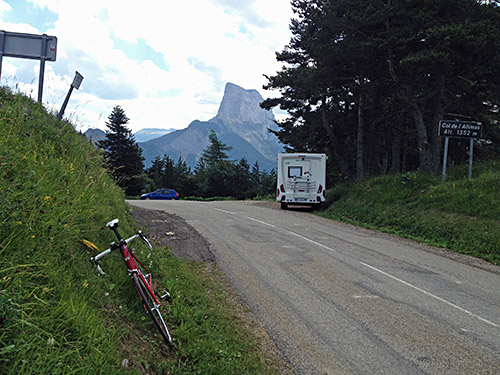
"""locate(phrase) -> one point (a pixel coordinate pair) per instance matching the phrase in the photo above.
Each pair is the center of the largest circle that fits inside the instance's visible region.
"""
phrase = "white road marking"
(227, 212)
(432, 295)
(312, 241)
(260, 222)
(374, 269)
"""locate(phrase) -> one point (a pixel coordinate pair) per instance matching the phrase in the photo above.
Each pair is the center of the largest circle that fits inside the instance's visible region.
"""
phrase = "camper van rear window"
(294, 172)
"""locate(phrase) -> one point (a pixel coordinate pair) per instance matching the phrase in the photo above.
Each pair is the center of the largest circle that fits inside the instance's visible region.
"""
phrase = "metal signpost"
(29, 46)
(459, 129)
(77, 81)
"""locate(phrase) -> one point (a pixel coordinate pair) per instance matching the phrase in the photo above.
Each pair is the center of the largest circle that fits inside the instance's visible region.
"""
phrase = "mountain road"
(338, 299)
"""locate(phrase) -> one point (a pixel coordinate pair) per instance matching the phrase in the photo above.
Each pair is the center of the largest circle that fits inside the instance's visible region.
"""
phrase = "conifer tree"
(241, 183)
(215, 152)
(214, 170)
(123, 157)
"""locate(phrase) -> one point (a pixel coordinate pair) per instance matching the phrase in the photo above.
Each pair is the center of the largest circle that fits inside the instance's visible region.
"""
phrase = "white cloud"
(4, 7)
(204, 44)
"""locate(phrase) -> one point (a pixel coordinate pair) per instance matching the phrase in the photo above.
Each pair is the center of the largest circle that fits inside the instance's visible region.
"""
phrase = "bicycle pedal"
(166, 296)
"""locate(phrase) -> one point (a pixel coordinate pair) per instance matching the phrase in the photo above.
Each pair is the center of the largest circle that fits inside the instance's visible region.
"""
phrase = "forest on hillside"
(367, 82)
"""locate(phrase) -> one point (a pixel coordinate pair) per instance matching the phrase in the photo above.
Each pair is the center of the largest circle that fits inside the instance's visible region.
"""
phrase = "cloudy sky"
(166, 62)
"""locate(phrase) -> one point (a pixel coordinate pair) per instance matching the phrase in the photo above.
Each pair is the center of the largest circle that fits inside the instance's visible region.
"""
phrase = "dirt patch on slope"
(171, 230)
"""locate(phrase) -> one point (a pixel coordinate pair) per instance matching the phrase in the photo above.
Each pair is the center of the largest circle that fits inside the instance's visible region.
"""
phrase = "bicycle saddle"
(112, 223)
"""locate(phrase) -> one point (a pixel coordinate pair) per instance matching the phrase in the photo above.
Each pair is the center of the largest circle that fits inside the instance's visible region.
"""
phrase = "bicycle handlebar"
(114, 246)
(145, 240)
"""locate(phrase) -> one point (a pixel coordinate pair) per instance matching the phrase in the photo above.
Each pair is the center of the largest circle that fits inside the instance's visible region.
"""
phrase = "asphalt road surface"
(337, 299)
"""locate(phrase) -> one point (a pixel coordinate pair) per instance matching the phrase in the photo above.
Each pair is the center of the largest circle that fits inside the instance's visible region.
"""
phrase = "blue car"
(161, 194)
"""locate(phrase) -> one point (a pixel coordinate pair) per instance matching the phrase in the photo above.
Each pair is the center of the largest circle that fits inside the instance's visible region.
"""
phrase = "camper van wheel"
(284, 206)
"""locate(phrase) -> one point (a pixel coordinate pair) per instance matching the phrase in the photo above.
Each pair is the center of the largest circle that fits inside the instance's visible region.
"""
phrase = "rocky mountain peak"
(240, 124)
(242, 106)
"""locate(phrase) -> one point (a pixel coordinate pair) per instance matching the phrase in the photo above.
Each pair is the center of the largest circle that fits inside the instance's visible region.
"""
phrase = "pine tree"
(214, 170)
(268, 183)
(215, 152)
(123, 157)
(241, 183)
(183, 177)
(155, 173)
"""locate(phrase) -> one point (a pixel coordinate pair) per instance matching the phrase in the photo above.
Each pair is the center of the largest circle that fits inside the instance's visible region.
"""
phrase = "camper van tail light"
(282, 188)
(320, 189)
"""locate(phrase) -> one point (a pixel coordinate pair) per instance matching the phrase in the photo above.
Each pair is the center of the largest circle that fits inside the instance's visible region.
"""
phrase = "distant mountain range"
(240, 123)
(143, 135)
(147, 134)
(94, 135)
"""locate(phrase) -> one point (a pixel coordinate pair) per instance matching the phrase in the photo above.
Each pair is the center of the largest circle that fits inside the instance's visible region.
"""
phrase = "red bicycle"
(141, 276)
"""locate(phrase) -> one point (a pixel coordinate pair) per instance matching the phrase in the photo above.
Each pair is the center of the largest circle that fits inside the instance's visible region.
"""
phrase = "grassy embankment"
(57, 316)
(461, 215)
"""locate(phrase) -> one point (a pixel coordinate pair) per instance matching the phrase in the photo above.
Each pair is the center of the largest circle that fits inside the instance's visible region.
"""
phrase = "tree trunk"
(360, 172)
(438, 115)
(396, 152)
(336, 147)
(424, 149)
(373, 165)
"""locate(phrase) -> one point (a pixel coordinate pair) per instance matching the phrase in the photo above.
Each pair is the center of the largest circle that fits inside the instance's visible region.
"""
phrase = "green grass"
(461, 215)
(57, 316)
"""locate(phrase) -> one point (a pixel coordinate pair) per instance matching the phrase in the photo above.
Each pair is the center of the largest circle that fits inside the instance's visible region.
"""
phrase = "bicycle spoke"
(152, 308)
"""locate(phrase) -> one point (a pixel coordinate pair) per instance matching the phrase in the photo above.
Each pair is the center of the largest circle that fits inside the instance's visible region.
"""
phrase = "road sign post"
(445, 158)
(471, 152)
(77, 81)
(29, 46)
(459, 129)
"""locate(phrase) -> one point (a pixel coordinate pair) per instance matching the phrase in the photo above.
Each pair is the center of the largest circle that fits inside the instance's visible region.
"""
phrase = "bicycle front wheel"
(152, 308)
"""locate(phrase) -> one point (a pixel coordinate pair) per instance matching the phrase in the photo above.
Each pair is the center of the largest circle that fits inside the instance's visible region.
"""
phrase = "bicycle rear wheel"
(152, 308)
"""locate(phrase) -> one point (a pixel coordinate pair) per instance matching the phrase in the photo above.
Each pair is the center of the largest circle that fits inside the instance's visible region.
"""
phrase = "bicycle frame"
(141, 276)
(130, 260)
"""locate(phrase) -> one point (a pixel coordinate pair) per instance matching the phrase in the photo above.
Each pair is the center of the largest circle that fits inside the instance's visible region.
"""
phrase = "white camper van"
(301, 179)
